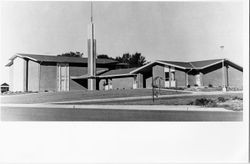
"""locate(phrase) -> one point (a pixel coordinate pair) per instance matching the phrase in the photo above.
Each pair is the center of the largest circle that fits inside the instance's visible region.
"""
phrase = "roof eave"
(23, 56)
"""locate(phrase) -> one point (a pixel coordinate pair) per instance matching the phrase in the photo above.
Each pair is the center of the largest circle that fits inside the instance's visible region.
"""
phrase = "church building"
(35, 72)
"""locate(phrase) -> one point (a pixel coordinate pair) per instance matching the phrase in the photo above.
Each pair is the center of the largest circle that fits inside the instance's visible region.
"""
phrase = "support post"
(227, 81)
(26, 79)
(224, 89)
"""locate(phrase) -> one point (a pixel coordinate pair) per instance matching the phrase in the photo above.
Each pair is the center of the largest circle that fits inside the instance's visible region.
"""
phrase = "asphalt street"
(99, 114)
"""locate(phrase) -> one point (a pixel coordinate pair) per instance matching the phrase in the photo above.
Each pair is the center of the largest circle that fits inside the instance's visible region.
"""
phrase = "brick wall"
(214, 78)
(120, 83)
(158, 71)
(48, 80)
(180, 78)
(33, 76)
(191, 80)
(139, 80)
(235, 78)
(149, 82)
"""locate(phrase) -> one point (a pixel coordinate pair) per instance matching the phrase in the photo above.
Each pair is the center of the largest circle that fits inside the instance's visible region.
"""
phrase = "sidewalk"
(121, 107)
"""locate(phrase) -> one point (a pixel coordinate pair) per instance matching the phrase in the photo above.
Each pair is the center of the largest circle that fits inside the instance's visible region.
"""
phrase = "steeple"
(91, 53)
(91, 13)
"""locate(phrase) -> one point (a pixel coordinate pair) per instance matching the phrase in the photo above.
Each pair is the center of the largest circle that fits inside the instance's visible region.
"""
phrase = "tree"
(124, 59)
(104, 56)
(134, 60)
(137, 60)
(72, 54)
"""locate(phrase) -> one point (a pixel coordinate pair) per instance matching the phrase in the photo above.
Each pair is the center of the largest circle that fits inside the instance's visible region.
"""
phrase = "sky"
(177, 31)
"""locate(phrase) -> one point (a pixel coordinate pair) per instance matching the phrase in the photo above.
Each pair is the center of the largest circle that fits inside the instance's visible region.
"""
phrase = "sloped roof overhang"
(192, 67)
(57, 59)
(158, 62)
(221, 61)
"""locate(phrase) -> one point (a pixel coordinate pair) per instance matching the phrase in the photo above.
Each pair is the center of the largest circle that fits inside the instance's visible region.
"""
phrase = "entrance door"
(63, 77)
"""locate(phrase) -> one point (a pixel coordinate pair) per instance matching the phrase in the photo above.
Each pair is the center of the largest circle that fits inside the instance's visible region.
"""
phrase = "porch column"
(170, 76)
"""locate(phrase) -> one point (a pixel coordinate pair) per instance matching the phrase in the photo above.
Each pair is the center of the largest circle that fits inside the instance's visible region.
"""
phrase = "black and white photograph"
(132, 63)
(122, 61)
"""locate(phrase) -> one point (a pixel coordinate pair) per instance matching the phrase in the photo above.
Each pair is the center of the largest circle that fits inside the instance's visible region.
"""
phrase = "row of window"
(167, 77)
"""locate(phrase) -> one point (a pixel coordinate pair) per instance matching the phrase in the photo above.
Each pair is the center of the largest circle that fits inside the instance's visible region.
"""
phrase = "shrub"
(205, 102)
(237, 98)
(174, 88)
(212, 104)
(221, 99)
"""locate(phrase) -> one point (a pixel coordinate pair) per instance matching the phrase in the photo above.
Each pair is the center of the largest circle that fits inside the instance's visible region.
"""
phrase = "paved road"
(99, 114)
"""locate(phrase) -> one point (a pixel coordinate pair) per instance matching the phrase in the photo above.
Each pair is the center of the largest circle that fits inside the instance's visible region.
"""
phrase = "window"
(166, 76)
(173, 76)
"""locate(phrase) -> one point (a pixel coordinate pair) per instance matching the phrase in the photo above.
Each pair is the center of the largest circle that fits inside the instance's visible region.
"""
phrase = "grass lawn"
(77, 95)
(229, 103)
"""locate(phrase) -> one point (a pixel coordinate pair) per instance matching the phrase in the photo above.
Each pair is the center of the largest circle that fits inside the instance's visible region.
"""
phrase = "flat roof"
(124, 72)
(118, 71)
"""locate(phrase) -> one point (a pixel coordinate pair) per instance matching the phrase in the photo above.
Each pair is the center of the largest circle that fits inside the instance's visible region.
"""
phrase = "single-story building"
(30, 72)
(4, 87)
(216, 73)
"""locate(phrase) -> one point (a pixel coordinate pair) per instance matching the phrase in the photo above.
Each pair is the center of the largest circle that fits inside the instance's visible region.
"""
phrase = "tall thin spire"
(91, 52)
(91, 17)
